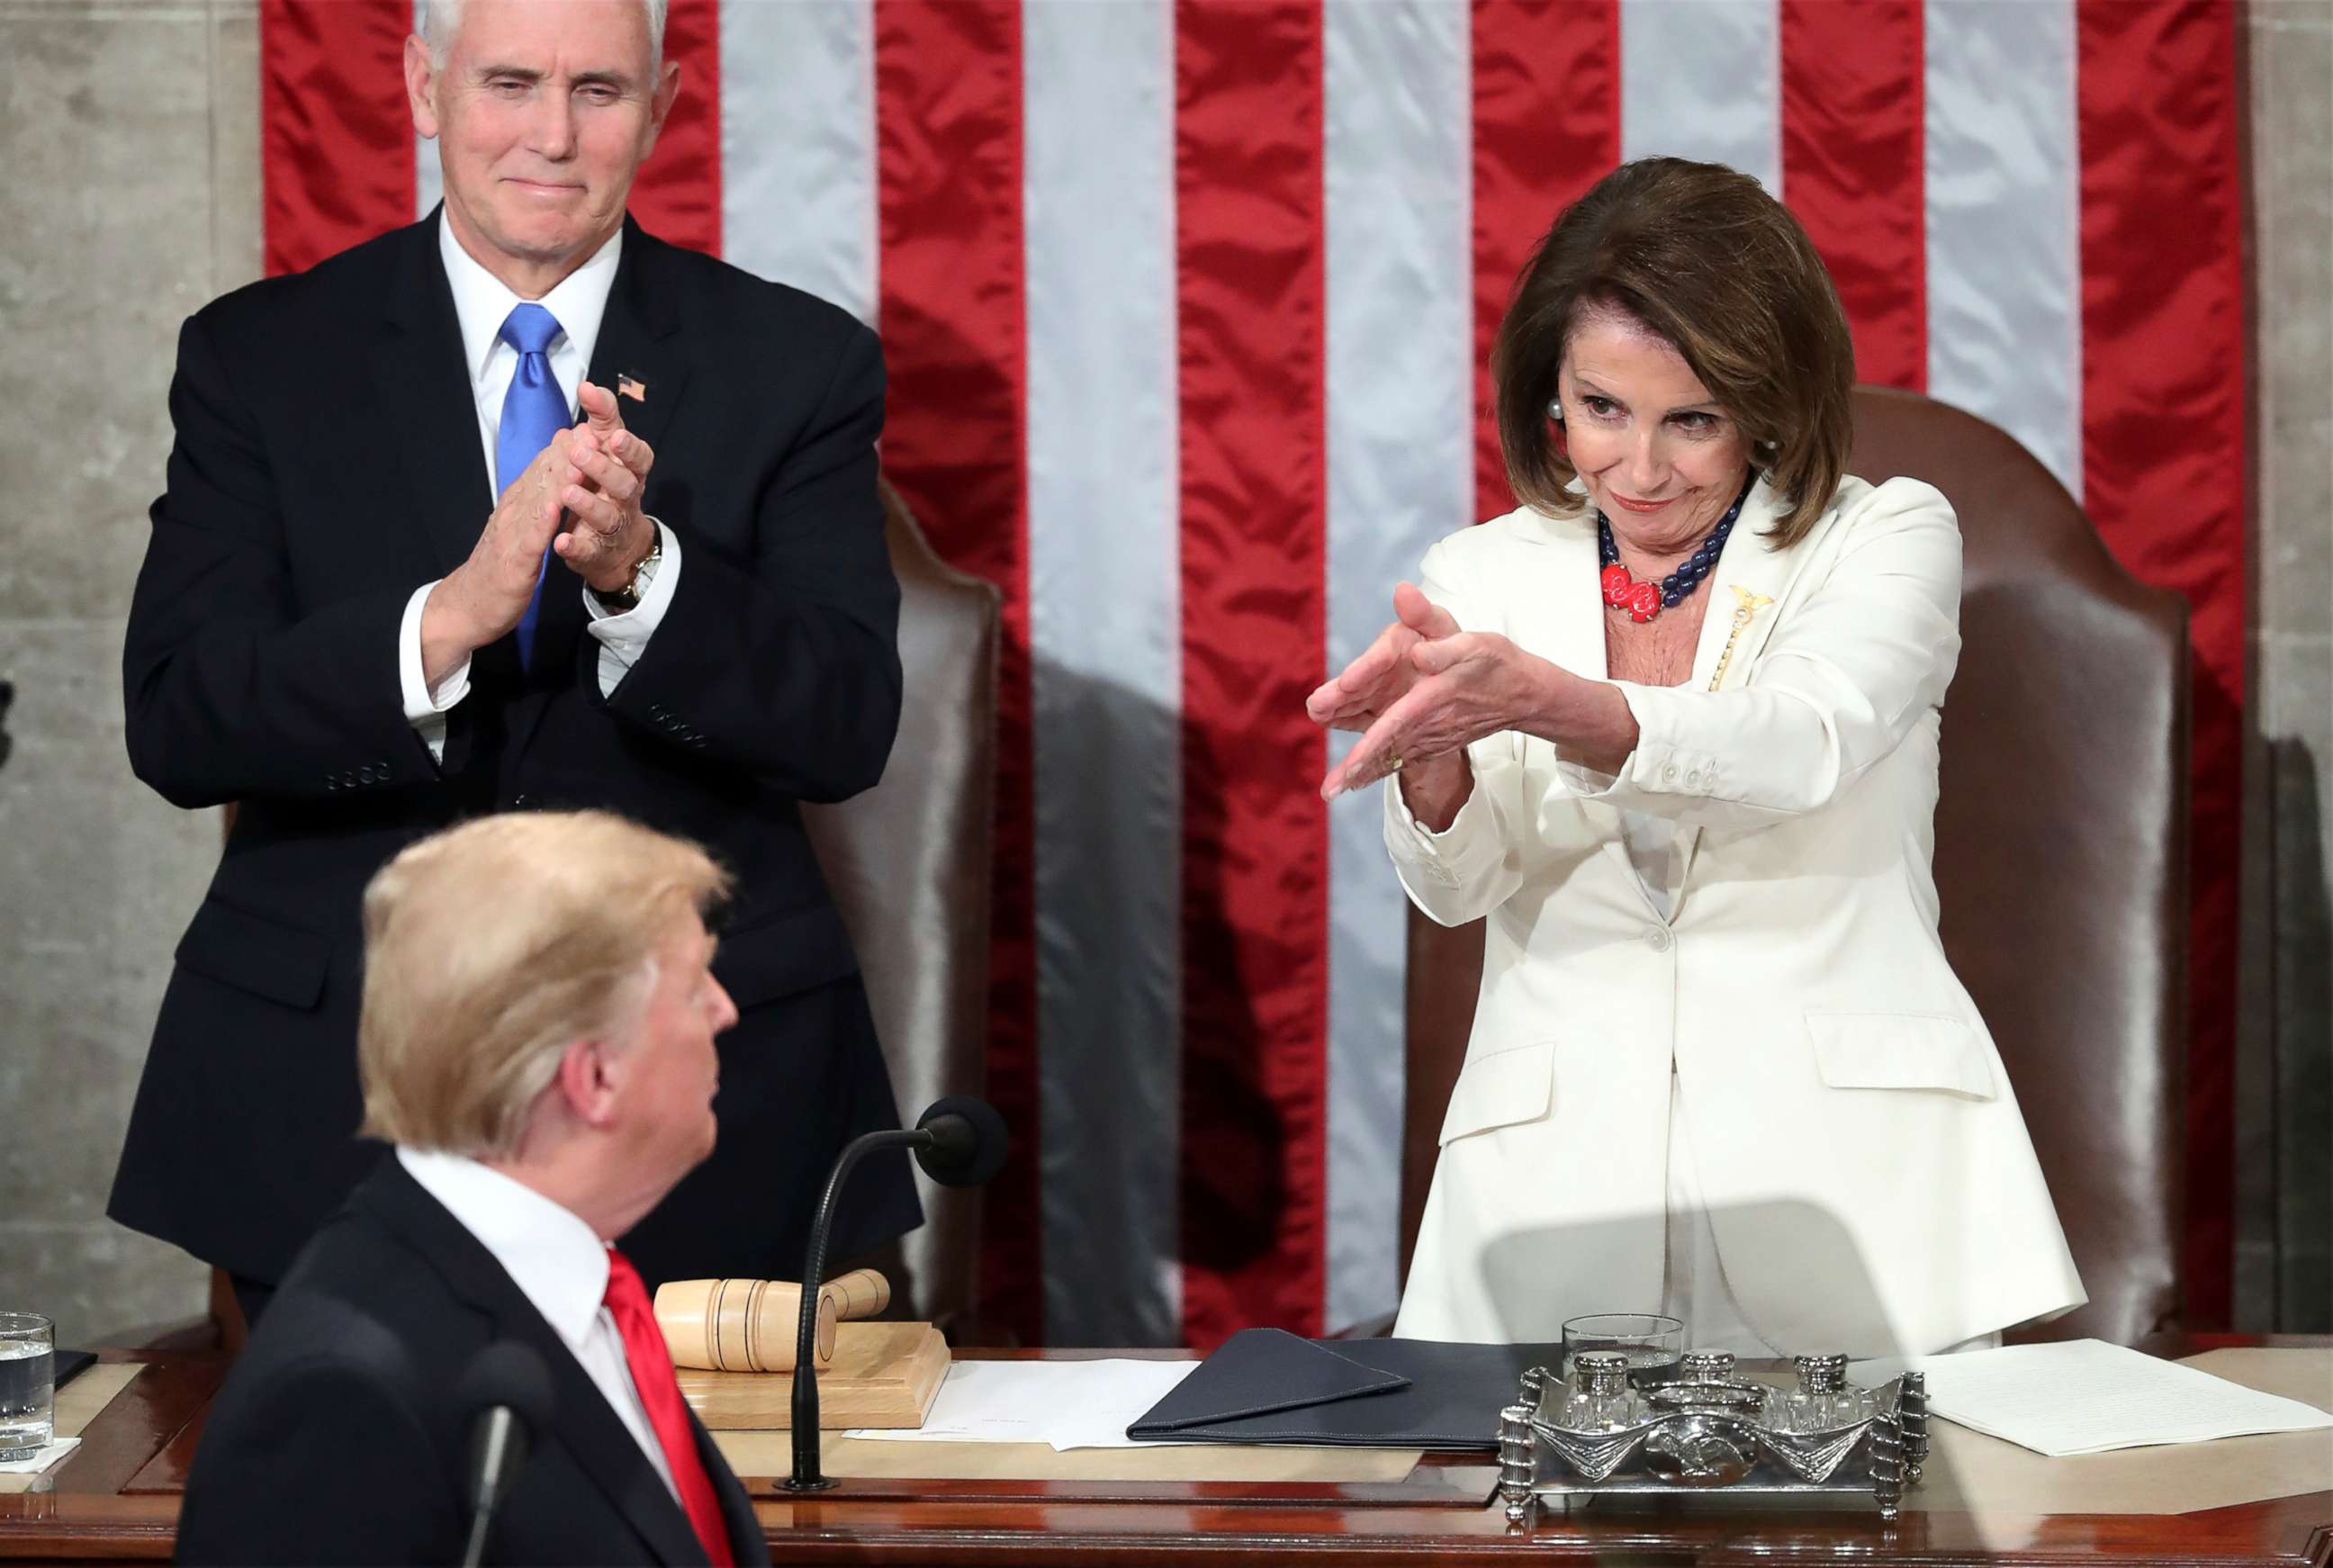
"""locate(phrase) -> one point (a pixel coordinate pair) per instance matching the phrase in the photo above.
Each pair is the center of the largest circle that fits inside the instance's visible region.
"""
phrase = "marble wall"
(132, 133)
(2285, 1066)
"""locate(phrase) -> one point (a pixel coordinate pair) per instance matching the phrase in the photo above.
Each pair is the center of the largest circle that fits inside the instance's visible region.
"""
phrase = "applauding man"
(518, 508)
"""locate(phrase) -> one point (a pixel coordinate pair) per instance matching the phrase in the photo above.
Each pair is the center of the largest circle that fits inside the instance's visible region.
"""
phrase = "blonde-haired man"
(536, 1043)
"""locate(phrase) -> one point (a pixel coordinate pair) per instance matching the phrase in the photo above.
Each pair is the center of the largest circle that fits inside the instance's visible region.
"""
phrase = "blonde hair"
(491, 946)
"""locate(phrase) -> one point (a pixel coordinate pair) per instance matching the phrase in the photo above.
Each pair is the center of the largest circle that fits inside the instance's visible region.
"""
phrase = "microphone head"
(968, 1141)
(510, 1376)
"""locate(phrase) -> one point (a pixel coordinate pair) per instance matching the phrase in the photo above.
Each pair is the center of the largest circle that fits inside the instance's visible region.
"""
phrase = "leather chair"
(908, 862)
(2061, 861)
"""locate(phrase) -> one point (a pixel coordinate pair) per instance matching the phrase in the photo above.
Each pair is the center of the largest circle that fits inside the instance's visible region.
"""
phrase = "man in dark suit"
(393, 583)
(537, 1043)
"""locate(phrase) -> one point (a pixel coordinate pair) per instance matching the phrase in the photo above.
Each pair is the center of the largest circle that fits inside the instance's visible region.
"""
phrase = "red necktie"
(659, 1390)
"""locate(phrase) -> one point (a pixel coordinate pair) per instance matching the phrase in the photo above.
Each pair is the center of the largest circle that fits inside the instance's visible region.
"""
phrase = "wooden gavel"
(748, 1325)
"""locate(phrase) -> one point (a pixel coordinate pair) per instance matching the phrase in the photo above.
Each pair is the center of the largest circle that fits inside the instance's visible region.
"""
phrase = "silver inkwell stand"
(1597, 1433)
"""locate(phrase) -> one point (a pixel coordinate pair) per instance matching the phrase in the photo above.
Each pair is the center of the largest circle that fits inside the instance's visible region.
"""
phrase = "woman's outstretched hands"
(1425, 690)
(1357, 695)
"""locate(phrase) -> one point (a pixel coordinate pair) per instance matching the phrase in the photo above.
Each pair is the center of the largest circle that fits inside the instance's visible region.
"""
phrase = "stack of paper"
(2087, 1397)
(1068, 1404)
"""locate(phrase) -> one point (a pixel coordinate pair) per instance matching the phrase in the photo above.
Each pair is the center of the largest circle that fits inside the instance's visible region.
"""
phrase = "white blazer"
(1869, 1180)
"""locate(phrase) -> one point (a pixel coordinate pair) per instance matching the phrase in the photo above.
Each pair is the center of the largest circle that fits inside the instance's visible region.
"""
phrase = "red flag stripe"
(677, 194)
(947, 131)
(1853, 109)
(1252, 297)
(1547, 126)
(2163, 422)
(335, 132)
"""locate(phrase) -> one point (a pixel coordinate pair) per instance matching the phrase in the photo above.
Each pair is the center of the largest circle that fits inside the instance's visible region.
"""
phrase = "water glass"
(1653, 1343)
(28, 1384)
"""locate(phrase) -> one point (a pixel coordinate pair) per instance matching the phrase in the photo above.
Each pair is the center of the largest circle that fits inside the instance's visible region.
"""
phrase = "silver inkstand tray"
(1599, 1434)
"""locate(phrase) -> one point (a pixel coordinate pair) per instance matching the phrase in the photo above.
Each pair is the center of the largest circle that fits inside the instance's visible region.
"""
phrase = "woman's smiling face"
(1660, 459)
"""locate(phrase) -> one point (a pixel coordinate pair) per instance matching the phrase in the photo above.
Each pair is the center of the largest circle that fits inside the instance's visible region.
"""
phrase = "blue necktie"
(534, 410)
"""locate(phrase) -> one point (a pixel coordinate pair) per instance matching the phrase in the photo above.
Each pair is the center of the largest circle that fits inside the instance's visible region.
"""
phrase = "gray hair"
(441, 19)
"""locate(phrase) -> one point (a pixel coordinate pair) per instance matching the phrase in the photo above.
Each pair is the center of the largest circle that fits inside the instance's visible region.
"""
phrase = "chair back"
(908, 862)
(2060, 861)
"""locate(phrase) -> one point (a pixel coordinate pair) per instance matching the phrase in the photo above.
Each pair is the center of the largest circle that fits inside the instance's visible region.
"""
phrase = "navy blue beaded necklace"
(1642, 600)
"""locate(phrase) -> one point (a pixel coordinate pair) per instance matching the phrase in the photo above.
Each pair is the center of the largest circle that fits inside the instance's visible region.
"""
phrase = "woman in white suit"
(1671, 726)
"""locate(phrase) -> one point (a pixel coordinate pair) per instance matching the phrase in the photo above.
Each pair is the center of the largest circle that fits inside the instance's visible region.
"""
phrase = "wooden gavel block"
(749, 1325)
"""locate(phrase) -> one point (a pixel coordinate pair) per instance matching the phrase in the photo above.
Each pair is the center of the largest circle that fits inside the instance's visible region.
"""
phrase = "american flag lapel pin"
(630, 386)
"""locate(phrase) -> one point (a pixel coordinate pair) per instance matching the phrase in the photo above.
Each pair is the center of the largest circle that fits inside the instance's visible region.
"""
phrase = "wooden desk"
(116, 1499)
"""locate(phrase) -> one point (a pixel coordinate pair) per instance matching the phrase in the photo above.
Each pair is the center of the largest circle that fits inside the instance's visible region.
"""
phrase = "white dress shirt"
(557, 1263)
(482, 303)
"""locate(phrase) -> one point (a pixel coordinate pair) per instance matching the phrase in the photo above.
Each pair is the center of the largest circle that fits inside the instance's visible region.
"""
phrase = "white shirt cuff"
(624, 636)
(425, 706)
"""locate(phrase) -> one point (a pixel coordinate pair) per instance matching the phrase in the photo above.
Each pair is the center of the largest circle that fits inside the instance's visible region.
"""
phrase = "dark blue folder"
(1269, 1386)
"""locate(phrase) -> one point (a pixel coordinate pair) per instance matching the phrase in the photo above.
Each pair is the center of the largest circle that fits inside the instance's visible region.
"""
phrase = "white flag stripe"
(1400, 443)
(1703, 79)
(1105, 633)
(797, 192)
(2003, 216)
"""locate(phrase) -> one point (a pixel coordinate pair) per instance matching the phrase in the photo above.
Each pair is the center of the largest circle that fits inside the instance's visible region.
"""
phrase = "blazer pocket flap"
(1900, 1051)
(1500, 1091)
(777, 957)
(252, 953)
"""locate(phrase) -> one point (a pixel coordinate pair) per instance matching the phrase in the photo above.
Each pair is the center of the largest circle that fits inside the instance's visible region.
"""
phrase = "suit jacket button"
(521, 801)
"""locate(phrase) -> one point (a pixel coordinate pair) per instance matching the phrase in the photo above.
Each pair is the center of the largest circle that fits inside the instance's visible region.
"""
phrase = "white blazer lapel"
(1563, 619)
(1748, 595)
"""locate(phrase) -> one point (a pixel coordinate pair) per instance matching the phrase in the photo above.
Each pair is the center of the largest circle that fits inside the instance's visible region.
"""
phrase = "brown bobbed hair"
(1701, 255)
(492, 945)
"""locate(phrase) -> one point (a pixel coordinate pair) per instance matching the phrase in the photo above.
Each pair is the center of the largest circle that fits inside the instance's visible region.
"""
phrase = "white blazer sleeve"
(1474, 865)
(1839, 683)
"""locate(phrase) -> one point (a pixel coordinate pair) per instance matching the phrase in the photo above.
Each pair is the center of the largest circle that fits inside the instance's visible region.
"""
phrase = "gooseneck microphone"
(960, 1141)
(507, 1388)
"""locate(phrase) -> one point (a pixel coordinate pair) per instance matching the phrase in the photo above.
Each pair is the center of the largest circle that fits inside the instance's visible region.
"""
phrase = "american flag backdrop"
(1185, 305)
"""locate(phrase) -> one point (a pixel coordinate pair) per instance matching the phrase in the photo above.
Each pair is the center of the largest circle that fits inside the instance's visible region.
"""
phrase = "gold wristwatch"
(620, 601)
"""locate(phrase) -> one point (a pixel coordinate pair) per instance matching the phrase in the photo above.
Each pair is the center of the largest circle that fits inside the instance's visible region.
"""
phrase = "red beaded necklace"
(1642, 598)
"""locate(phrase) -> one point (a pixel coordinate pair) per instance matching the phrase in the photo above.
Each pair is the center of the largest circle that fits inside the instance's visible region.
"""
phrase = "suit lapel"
(584, 1423)
(1749, 594)
(425, 393)
(639, 343)
(1745, 593)
(1566, 624)
(1565, 619)
(747, 1543)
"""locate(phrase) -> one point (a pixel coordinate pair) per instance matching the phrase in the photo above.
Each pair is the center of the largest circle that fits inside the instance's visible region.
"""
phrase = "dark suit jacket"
(328, 463)
(339, 1438)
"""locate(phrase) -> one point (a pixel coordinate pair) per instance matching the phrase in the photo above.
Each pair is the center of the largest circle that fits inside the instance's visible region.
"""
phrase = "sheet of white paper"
(41, 1461)
(2087, 1397)
(1068, 1404)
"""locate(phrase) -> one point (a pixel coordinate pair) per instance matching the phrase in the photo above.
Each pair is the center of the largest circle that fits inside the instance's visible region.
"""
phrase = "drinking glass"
(1653, 1343)
(28, 1385)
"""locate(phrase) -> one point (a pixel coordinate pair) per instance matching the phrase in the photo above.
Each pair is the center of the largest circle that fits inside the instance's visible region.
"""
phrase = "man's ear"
(587, 1080)
(420, 85)
(667, 94)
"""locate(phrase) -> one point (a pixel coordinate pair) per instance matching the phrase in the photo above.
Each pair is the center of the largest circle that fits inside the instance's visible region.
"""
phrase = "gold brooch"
(1746, 604)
